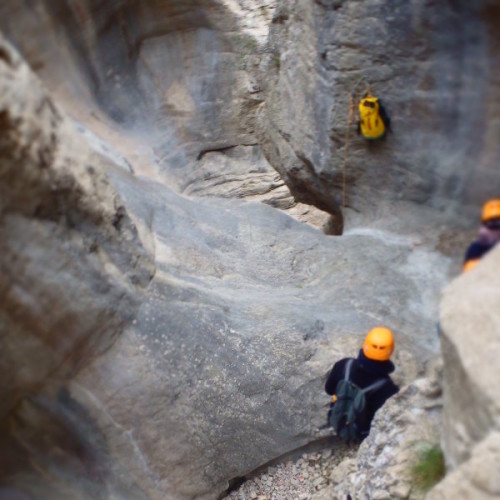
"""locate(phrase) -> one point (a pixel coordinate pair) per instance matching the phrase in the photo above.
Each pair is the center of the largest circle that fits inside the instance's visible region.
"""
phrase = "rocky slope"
(179, 336)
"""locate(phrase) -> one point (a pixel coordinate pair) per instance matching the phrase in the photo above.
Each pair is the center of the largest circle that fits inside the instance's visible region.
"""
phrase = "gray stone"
(327, 52)
(174, 384)
(470, 399)
(73, 267)
(214, 355)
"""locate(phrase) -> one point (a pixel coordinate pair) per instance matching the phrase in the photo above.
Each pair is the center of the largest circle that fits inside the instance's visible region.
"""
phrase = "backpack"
(373, 119)
(350, 406)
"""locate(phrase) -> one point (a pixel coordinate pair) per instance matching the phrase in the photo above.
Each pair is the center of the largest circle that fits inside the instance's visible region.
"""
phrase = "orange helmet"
(491, 210)
(379, 344)
(470, 264)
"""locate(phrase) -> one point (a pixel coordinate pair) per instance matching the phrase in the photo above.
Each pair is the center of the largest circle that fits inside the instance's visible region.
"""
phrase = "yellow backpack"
(373, 120)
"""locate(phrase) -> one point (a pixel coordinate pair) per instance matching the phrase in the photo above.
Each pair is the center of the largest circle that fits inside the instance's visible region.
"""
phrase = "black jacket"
(364, 372)
(477, 249)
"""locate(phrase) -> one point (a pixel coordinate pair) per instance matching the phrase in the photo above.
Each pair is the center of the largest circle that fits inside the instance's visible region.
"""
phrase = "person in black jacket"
(488, 236)
(372, 364)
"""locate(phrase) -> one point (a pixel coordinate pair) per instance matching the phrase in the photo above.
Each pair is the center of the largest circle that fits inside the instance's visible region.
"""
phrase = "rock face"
(72, 269)
(165, 83)
(432, 65)
(52, 191)
(470, 319)
(171, 87)
(168, 380)
(223, 366)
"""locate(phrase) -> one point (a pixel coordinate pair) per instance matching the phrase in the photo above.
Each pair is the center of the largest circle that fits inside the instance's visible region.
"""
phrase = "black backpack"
(350, 406)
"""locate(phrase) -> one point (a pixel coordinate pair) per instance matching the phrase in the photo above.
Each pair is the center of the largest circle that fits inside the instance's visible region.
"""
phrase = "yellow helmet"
(491, 210)
(379, 344)
(470, 264)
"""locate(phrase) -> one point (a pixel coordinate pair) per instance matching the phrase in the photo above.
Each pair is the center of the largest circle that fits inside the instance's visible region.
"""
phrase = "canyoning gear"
(363, 373)
(373, 119)
(349, 409)
(470, 264)
(491, 210)
(379, 344)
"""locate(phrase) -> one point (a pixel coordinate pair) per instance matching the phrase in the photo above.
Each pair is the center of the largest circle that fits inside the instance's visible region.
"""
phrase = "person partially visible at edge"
(488, 236)
(372, 364)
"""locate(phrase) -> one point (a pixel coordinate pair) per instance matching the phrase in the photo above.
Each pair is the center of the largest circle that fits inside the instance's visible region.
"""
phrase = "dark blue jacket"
(364, 372)
(477, 249)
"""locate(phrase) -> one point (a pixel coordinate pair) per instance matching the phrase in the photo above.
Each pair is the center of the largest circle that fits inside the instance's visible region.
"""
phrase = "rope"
(352, 106)
(346, 149)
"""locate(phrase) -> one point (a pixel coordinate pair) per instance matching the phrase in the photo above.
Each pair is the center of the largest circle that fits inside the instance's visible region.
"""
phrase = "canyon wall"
(165, 334)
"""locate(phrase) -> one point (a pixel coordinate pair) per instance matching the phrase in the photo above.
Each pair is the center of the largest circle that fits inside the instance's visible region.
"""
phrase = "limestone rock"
(218, 366)
(243, 172)
(175, 79)
(72, 264)
(222, 368)
(170, 82)
(325, 51)
(470, 320)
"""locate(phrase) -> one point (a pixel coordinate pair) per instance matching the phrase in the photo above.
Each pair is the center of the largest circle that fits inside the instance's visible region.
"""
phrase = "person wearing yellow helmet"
(367, 374)
(488, 236)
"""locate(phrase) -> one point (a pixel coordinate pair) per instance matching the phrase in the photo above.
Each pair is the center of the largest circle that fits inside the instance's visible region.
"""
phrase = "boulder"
(470, 320)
